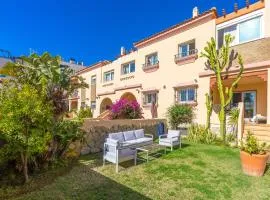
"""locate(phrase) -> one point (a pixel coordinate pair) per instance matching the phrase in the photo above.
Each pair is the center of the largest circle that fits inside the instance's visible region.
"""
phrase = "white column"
(268, 96)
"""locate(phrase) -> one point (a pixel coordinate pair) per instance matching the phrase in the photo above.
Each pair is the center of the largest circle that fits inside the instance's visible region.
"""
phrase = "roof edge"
(93, 66)
(159, 35)
(243, 11)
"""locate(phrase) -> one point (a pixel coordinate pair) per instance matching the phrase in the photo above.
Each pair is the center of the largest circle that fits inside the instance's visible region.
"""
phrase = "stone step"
(258, 133)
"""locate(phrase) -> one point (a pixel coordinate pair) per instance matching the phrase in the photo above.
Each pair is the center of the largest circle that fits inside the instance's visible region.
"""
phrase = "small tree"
(219, 61)
(179, 114)
(24, 120)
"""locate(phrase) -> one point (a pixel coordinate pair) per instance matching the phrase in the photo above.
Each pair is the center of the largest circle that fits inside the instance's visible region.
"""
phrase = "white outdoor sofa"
(120, 147)
(171, 139)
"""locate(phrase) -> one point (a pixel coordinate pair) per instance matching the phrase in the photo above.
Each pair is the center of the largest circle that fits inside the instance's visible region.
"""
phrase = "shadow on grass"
(93, 185)
(82, 181)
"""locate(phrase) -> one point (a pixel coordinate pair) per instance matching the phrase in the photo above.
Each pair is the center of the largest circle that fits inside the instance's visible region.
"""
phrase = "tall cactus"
(219, 61)
(209, 107)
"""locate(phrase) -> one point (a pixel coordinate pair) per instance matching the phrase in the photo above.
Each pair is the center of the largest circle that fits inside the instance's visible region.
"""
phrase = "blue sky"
(91, 30)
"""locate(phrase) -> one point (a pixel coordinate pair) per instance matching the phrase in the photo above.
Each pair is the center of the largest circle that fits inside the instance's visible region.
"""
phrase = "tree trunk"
(25, 167)
(222, 119)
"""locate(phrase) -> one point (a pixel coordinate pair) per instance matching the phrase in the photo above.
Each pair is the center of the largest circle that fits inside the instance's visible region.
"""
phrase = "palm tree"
(46, 74)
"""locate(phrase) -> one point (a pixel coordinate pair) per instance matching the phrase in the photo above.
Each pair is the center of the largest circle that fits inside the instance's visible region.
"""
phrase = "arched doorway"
(105, 105)
(128, 96)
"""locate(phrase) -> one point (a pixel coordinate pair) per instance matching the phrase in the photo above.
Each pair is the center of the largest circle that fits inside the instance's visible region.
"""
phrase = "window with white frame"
(186, 95)
(187, 48)
(151, 59)
(128, 68)
(108, 76)
(149, 97)
(243, 31)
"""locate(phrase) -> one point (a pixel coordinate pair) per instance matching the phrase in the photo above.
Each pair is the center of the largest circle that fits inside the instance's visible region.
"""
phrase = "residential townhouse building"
(250, 27)
(166, 67)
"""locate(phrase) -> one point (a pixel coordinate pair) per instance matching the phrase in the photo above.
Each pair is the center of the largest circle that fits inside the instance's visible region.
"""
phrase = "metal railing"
(150, 65)
(185, 54)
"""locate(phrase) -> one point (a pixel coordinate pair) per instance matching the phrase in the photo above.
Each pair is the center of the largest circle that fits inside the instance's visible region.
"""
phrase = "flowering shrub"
(125, 109)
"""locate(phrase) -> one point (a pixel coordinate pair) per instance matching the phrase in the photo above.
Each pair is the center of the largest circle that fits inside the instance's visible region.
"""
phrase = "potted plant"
(253, 156)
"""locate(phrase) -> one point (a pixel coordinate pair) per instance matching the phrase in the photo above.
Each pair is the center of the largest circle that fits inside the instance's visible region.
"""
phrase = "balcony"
(150, 67)
(186, 57)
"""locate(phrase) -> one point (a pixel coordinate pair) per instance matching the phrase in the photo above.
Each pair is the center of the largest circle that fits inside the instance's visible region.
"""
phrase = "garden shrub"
(200, 134)
(179, 114)
(85, 113)
(66, 132)
(252, 146)
(125, 109)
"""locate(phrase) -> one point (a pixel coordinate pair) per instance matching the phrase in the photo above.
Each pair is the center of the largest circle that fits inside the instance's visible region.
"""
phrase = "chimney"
(235, 7)
(123, 51)
(247, 3)
(195, 12)
(224, 12)
(80, 63)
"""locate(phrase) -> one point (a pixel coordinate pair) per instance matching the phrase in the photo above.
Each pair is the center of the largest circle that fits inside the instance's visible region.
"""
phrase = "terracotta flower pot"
(253, 165)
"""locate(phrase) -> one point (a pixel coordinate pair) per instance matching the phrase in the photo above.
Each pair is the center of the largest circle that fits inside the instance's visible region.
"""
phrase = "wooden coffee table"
(152, 150)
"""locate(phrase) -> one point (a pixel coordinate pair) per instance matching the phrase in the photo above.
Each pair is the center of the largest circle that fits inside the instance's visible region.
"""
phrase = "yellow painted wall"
(261, 92)
(165, 78)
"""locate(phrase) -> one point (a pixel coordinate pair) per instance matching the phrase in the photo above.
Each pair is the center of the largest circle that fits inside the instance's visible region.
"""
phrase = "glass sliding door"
(249, 99)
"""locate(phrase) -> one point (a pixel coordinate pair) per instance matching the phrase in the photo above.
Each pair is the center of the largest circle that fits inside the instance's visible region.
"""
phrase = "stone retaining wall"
(97, 130)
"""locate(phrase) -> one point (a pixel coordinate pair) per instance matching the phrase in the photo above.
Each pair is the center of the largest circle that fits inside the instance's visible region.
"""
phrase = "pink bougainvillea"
(125, 109)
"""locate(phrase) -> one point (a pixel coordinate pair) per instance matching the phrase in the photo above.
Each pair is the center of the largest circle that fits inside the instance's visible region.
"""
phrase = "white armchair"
(171, 139)
(117, 152)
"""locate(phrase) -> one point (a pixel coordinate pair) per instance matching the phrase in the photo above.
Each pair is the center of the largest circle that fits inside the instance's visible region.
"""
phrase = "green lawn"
(193, 172)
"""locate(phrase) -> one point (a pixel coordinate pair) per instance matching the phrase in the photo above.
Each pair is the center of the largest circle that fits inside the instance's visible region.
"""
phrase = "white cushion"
(129, 135)
(139, 133)
(173, 133)
(129, 143)
(117, 136)
(142, 140)
(168, 140)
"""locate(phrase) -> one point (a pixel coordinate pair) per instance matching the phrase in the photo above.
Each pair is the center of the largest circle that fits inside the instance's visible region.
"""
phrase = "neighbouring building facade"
(166, 68)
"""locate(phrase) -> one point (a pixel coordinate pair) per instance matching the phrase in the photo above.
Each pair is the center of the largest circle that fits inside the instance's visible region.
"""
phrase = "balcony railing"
(186, 57)
(151, 66)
